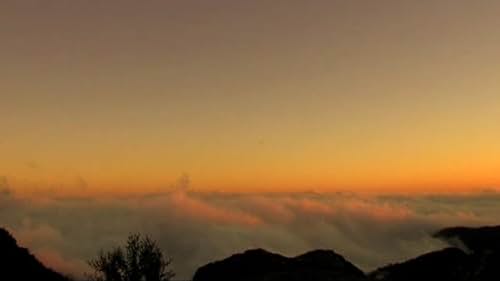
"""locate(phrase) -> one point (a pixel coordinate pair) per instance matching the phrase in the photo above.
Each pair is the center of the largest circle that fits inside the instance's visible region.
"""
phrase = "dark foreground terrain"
(261, 265)
(473, 255)
(16, 263)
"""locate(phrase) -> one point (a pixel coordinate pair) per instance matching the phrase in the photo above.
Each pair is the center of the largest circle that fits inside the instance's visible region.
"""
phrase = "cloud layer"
(195, 228)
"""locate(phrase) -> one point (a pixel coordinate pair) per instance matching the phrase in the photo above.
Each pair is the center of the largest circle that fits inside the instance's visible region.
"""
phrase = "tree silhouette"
(142, 260)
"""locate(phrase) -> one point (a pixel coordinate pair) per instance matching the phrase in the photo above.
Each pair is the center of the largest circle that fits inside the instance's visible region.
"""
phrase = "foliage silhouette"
(141, 260)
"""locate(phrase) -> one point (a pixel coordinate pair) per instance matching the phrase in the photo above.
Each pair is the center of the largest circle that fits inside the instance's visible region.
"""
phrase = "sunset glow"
(291, 98)
(222, 125)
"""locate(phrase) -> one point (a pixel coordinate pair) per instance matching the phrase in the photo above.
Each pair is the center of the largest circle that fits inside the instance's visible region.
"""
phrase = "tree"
(142, 260)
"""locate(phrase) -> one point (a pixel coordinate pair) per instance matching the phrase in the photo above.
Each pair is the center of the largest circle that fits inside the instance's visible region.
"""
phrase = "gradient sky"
(250, 95)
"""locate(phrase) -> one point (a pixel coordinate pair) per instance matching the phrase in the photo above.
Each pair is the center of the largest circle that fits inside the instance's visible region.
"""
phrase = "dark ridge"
(483, 244)
(446, 264)
(480, 239)
(260, 265)
(478, 258)
(17, 263)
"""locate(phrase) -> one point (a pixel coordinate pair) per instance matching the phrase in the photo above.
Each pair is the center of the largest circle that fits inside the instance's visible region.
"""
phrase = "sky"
(218, 126)
(242, 96)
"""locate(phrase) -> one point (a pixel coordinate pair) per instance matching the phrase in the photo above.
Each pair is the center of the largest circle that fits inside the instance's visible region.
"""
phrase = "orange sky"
(126, 96)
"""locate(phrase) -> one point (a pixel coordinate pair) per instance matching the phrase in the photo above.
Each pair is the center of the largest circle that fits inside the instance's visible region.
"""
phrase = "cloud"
(32, 165)
(4, 186)
(183, 182)
(81, 183)
(54, 259)
(195, 227)
(188, 207)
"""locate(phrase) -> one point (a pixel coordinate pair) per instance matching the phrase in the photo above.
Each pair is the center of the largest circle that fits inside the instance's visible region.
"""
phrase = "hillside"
(17, 263)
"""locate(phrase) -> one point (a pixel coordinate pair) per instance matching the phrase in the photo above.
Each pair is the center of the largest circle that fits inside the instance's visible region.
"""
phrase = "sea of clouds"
(195, 228)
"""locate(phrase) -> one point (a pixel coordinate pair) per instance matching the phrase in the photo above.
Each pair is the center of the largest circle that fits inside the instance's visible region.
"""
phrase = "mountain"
(17, 263)
(476, 240)
(260, 265)
(447, 264)
(475, 256)
(483, 244)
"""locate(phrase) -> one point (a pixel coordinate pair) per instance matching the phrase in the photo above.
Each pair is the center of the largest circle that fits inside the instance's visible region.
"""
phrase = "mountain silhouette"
(16, 263)
(260, 265)
(475, 240)
(483, 246)
(447, 264)
(475, 256)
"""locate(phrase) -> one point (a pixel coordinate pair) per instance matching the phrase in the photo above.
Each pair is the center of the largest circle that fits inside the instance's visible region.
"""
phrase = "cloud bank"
(195, 228)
